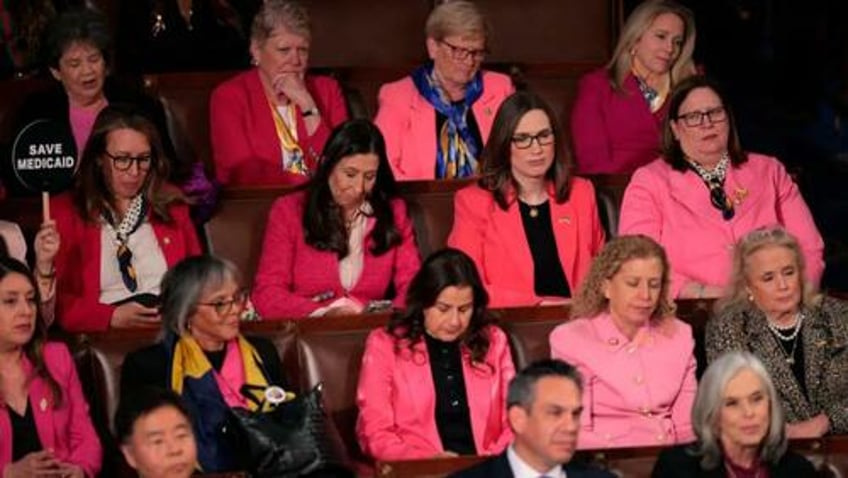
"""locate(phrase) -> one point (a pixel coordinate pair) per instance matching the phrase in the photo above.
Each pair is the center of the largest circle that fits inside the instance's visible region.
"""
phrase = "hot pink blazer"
(245, 146)
(408, 123)
(66, 429)
(614, 132)
(635, 393)
(291, 273)
(674, 208)
(78, 307)
(496, 241)
(397, 399)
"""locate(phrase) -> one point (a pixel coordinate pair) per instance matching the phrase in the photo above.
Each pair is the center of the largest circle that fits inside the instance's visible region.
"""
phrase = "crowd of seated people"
(438, 379)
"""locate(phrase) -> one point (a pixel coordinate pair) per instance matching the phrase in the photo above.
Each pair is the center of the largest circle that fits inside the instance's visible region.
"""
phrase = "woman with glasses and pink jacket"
(705, 193)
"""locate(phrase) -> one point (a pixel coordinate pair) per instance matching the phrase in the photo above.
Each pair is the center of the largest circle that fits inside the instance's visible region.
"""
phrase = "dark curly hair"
(77, 25)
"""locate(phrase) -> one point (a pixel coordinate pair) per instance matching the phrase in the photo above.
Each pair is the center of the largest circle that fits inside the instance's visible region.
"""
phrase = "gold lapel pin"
(739, 195)
(565, 219)
(43, 404)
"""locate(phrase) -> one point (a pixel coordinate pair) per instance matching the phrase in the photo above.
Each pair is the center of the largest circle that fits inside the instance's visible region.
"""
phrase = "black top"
(548, 277)
(797, 366)
(24, 434)
(453, 419)
(472, 126)
(216, 358)
(679, 462)
(498, 467)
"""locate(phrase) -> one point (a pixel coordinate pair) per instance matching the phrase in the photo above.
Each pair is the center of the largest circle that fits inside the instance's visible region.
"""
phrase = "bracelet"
(48, 275)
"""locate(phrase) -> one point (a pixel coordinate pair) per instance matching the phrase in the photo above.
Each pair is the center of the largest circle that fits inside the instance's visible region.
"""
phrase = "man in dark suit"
(544, 403)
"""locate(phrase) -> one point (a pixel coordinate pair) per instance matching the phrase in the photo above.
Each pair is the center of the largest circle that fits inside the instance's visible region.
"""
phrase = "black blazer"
(498, 467)
(678, 462)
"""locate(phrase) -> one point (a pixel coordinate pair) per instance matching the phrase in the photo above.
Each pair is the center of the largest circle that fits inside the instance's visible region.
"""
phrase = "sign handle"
(45, 205)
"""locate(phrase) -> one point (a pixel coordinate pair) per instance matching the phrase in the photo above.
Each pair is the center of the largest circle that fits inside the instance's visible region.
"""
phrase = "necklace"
(792, 336)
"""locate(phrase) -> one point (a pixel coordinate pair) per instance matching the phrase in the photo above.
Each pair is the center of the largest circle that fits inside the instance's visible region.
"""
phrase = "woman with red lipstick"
(44, 418)
(635, 357)
(530, 226)
(121, 228)
(739, 423)
(772, 311)
(705, 193)
(434, 381)
(619, 109)
(269, 124)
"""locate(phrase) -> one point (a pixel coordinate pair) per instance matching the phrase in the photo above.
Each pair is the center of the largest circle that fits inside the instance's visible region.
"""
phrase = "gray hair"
(286, 14)
(522, 388)
(459, 17)
(710, 399)
(185, 283)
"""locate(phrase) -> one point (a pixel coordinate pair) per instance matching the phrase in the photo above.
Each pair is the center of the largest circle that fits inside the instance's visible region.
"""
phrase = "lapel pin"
(565, 219)
(613, 341)
(43, 404)
(166, 240)
(487, 111)
(739, 195)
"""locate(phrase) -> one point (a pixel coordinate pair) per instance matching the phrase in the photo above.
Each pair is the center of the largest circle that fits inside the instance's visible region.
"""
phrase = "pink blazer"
(245, 146)
(496, 241)
(67, 428)
(397, 399)
(408, 123)
(78, 307)
(614, 132)
(674, 208)
(635, 393)
(291, 274)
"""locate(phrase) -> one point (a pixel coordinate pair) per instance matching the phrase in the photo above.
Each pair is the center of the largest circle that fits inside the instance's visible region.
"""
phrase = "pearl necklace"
(794, 329)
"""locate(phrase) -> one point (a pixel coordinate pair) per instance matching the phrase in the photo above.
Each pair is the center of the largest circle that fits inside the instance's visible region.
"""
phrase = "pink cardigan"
(291, 273)
(635, 393)
(397, 399)
(65, 429)
(245, 146)
(674, 208)
(496, 241)
(408, 123)
(614, 132)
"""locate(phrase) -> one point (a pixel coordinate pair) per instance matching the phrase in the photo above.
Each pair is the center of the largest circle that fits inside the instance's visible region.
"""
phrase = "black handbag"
(291, 440)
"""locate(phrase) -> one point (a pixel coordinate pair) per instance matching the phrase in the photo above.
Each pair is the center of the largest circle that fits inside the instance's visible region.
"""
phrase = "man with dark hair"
(544, 403)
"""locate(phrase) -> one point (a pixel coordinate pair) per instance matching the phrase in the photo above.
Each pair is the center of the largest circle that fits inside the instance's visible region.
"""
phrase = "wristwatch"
(311, 111)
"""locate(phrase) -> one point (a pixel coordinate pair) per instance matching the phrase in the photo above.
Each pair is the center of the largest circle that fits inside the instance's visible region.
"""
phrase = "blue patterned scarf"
(456, 148)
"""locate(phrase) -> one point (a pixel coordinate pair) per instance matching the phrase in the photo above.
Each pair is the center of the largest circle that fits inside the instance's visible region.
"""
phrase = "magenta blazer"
(397, 399)
(496, 241)
(78, 307)
(635, 393)
(292, 276)
(245, 146)
(614, 132)
(674, 208)
(408, 123)
(66, 429)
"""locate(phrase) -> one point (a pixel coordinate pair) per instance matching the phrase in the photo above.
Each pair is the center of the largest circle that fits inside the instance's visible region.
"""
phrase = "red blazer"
(495, 239)
(292, 273)
(614, 132)
(408, 123)
(397, 399)
(65, 429)
(245, 146)
(78, 307)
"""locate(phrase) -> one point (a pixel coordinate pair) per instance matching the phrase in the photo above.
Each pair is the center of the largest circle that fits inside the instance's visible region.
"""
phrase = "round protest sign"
(44, 156)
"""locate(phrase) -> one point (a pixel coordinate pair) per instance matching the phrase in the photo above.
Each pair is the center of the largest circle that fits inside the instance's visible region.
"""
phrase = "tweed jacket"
(824, 339)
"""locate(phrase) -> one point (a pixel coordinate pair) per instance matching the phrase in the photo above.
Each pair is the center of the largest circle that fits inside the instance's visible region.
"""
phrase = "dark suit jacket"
(678, 462)
(498, 467)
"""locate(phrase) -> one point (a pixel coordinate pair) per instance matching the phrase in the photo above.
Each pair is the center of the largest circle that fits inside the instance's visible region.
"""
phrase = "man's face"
(546, 432)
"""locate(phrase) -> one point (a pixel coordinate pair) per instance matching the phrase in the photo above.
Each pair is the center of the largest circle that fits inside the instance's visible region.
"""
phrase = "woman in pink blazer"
(531, 227)
(635, 358)
(434, 381)
(336, 247)
(269, 124)
(705, 193)
(44, 418)
(618, 110)
(437, 120)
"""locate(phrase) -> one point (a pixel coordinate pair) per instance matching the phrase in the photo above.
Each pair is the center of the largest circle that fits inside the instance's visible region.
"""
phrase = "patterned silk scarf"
(289, 148)
(129, 224)
(456, 148)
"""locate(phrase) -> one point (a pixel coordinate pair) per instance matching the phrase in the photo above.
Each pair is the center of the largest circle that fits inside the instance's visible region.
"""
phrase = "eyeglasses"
(524, 141)
(124, 162)
(696, 118)
(225, 307)
(459, 53)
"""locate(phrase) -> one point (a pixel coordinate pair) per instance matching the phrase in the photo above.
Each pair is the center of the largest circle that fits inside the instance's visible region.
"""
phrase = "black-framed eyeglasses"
(225, 306)
(123, 162)
(696, 118)
(524, 141)
(459, 53)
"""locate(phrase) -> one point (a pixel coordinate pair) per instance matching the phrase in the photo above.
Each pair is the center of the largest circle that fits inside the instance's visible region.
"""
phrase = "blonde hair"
(636, 25)
(590, 300)
(286, 14)
(459, 17)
